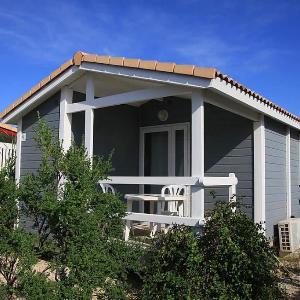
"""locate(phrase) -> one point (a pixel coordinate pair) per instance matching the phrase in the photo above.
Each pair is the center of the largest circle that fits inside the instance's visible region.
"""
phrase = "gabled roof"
(191, 70)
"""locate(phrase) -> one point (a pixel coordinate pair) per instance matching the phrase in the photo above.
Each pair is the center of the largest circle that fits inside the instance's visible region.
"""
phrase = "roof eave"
(252, 101)
(13, 114)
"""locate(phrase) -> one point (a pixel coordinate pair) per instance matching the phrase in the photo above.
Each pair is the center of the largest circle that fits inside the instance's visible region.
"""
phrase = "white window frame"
(171, 129)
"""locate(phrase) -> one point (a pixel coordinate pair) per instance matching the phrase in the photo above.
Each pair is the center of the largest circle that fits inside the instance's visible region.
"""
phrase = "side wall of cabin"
(276, 182)
(295, 173)
(30, 154)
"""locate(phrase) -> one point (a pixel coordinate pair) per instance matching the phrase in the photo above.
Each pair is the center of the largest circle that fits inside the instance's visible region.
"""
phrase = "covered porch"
(160, 135)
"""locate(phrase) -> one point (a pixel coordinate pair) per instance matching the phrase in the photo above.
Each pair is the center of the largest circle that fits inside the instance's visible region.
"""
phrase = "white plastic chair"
(107, 188)
(174, 207)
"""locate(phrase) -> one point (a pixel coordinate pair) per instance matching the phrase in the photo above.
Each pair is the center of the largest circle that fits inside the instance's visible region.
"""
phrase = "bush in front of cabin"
(17, 257)
(239, 261)
(78, 228)
(231, 260)
(172, 265)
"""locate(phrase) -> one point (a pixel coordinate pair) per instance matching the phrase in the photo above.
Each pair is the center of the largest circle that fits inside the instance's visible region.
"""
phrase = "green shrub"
(231, 260)
(78, 228)
(172, 265)
(239, 262)
(17, 257)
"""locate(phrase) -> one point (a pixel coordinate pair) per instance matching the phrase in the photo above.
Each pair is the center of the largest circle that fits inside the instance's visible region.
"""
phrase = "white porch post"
(288, 174)
(259, 172)
(65, 119)
(197, 201)
(89, 116)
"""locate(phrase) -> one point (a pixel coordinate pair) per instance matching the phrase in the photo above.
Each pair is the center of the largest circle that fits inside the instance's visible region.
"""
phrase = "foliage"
(239, 262)
(78, 228)
(231, 260)
(16, 246)
(172, 265)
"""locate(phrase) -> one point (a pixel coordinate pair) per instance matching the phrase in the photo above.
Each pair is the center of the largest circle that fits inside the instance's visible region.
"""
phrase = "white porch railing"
(6, 151)
(230, 182)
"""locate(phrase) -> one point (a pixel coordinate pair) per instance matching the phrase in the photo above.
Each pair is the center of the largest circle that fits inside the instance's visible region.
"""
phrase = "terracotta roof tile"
(100, 59)
(55, 73)
(165, 67)
(131, 62)
(148, 64)
(77, 58)
(184, 69)
(116, 61)
(89, 58)
(205, 72)
(35, 88)
(209, 73)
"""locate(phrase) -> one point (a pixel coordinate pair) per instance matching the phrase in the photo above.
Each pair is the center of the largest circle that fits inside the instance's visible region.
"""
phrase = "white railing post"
(232, 191)
(197, 193)
(65, 119)
(89, 116)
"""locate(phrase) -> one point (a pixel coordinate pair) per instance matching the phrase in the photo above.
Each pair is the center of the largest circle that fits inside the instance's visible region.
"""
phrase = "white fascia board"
(227, 104)
(224, 88)
(55, 85)
(154, 76)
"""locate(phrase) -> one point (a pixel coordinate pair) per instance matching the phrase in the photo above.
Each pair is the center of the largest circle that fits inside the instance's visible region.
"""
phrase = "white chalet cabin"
(177, 131)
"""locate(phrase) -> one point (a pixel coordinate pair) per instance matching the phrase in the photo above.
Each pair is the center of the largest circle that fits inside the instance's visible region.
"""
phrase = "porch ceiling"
(106, 85)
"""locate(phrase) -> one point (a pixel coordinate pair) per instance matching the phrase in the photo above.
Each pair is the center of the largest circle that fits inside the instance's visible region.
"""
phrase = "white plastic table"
(152, 198)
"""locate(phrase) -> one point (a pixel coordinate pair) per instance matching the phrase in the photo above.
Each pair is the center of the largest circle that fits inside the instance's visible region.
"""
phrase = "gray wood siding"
(116, 129)
(295, 180)
(229, 149)
(30, 154)
(276, 190)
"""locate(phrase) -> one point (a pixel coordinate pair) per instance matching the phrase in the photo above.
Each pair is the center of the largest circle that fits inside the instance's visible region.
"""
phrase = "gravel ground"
(290, 277)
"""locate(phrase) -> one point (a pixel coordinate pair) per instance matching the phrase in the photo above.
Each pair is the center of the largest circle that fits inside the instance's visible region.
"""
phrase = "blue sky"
(255, 42)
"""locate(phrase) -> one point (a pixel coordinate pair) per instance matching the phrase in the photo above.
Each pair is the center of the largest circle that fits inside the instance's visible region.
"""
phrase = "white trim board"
(220, 86)
(288, 174)
(41, 95)
(154, 76)
(259, 171)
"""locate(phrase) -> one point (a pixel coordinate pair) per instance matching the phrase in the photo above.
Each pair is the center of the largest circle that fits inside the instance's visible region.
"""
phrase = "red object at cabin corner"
(8, 132)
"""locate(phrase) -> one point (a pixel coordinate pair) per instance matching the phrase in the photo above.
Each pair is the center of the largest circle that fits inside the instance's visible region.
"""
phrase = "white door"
(164, 151)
